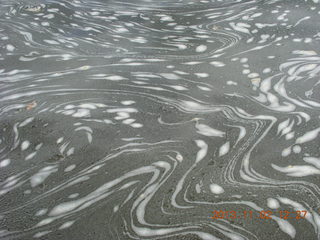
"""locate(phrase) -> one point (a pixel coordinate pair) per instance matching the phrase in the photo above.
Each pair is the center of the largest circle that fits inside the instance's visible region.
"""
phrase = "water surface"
(138, 119)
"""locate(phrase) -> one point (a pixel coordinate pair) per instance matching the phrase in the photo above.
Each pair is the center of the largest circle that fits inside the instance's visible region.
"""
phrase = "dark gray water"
(151, 119)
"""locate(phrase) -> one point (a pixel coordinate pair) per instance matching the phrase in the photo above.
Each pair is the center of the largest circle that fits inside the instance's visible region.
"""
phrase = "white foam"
(273, 203)
(43, 173)
(203, 150)
(308, 136)
(115, 78)
(216, 189)
(297, 170)
(208, 131)
(201, 48)
(25, 145)
(217, 64)
(70, 168)
(5, 163)
(66, 225)
(224, 149)
(312, 160)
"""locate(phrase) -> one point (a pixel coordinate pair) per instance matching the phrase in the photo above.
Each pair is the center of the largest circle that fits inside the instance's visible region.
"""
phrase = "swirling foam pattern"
(137, 119)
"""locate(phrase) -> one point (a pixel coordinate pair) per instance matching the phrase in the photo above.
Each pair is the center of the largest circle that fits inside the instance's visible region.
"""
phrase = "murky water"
(139, 119)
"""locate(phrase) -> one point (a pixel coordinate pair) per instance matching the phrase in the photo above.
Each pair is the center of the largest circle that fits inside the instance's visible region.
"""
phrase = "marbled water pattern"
(138, 119)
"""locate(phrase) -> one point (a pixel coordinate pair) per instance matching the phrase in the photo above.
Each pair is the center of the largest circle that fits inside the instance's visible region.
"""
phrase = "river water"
(163, 119)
